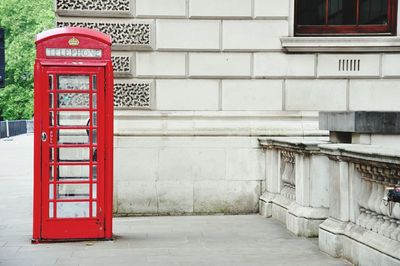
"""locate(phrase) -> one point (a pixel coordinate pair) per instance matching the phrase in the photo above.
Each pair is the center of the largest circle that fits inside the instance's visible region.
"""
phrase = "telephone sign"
(2, 60)
(73, 141)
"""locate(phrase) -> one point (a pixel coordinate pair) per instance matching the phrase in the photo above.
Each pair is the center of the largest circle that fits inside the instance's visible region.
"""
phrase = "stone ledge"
(361, 122)
(341, 44)
(305, 144)
(351, 241)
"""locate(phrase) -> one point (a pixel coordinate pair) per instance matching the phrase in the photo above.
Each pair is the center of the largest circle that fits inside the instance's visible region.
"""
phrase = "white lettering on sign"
(69, 52)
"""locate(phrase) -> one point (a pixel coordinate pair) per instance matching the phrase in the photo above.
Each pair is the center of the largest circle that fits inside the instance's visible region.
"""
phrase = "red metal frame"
(387, 29)
(48, 227)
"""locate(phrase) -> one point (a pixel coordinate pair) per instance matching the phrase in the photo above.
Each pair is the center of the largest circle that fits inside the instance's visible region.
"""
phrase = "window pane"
(73, 100)
(73, 82)
(311, 12)
(72, 209)
(373, 11)
(73, 191)
(342, 12)
(73, 172)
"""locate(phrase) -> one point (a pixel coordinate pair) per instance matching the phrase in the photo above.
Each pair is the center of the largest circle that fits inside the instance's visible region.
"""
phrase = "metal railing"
(13, 128)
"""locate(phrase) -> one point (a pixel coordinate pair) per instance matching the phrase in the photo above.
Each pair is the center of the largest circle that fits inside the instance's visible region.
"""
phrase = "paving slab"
(186, 240)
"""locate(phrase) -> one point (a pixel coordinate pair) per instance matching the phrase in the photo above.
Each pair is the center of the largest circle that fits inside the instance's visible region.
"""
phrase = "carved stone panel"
(133, 35)
(123, 65)
(93, 8)
(136, 94)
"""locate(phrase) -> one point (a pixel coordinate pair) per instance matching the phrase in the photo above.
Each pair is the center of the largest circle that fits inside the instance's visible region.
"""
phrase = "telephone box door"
(73, 128)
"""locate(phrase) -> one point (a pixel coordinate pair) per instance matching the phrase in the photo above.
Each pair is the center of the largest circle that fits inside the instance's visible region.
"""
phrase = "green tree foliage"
(22, 20)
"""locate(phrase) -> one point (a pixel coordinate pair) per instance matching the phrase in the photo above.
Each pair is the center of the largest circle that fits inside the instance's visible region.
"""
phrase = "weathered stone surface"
(361, 122)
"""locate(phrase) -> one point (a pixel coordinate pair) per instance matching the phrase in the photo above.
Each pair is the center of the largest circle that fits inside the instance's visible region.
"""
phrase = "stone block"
(348, 65)
(182, 163)
(94, 8)
(257, 35)
(374, 95)
(133, 94)
(284, 65)
(160, 64)
(139, 164)
(241, 95)
(361, 122)
(220, 65)
(271, 8)
(391, 65)
(316, 95)
(137, 197)
(175, 197)
(188, 34)
(187, 95)
(226, 196)
(245, 164)
(160, 8)
(220, 8)
(127, 35)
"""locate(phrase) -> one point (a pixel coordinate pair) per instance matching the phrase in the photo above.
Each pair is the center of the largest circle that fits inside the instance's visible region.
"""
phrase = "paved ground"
(201, 240)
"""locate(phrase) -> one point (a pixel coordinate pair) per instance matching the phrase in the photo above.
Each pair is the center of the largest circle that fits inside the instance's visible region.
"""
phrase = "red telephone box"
(73, 141)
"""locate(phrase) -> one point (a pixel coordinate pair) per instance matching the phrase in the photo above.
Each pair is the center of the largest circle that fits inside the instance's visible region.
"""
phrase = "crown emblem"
(73, 41)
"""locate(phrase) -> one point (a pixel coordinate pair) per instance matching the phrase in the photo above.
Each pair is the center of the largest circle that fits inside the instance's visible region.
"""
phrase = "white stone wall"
(221, 64)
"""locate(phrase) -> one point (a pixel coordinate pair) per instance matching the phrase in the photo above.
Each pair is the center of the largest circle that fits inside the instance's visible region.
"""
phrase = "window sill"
(341, 44)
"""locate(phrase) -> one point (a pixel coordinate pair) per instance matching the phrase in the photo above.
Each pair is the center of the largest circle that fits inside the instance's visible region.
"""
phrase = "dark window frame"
(388, 29)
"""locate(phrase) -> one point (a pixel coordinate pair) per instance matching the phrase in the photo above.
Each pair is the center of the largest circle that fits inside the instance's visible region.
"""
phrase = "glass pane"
(51, 210)
(373, 11)
(73, 118)
(94, 79)
(311, 12)
(51, 104)
(51, 173)
(51, 82)
(73, 136)
(94, 209)
(342, 12)
(51, 154)
(72, 209)
(73, 191)
(73, 82)
(94, 136)
(94, 118)
(94, 169)
(94, 191)
(94, 159)
(73, 172)
(51, 116)
(73, 100)
(73, 154)
(94, 100)
(51, 191)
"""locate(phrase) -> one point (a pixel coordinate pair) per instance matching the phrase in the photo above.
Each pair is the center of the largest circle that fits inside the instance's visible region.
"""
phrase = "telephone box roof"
(75, 31)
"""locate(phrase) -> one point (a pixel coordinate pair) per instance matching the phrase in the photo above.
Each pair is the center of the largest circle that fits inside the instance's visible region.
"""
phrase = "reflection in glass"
(73, 191)
(72, 209)
(51, 173)
(73, 100)
(94, 100)
(73, 154)
(342, 12)
(51, 82)
(94, 136)
(71, 118)
(311, 12)
(94, 169)
(73, 82)
(73, 172)
(94, 81)
(94, 191)
(373, 12)
(51, 118)
(51, 209)
(72, 136)
(94, 118)
(51, 154)
(51, 104)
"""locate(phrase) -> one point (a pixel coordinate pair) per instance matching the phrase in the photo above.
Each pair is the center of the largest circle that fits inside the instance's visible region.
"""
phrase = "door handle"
(44, 136)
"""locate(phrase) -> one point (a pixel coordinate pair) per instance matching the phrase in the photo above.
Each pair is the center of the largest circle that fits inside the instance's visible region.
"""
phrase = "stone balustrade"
(296, 189)
(362, 226)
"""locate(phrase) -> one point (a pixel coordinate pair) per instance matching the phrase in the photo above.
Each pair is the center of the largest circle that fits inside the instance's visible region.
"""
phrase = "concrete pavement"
(189, 240)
